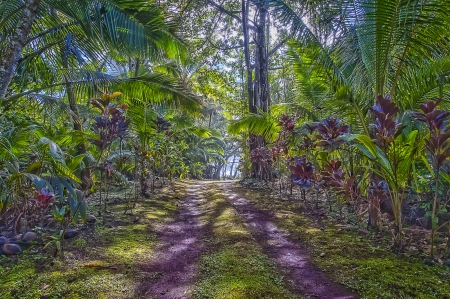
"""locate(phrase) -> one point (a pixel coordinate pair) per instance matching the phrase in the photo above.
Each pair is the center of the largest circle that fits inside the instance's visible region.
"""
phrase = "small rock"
(322, 254)
(91, 218)
(7, 234)
(16, 237)
(136, 219)
(70, 233)
(29, 236)
(52, 224)
(11, 249)
(24, 229)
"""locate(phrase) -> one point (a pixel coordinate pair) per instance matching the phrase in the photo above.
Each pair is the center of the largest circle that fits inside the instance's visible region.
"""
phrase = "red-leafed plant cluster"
(302, 173)
(437, 122)
(329, 132)
(262, 157)
(44, 196)
(111, 124)
(338, 181)
(386, 126)
(438, 146)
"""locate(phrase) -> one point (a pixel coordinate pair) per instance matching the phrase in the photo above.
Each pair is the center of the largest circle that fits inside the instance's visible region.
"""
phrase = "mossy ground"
(235, 266)
(353, 259)
(121, 246)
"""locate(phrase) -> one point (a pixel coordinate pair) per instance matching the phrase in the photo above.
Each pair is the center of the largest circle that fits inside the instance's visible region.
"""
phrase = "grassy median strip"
(234, 267)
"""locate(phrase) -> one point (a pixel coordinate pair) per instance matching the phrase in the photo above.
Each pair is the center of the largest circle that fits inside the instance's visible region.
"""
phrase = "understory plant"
(438, 146)
(391, 153)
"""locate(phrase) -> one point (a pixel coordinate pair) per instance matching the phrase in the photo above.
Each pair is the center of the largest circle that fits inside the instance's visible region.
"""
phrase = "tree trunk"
(86, 176)
(261, 91)
(263, 83)
(232, 165)
(10, 57)
(251, 106)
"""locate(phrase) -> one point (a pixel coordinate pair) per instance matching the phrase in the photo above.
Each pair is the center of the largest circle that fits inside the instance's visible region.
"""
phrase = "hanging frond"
(257, 124)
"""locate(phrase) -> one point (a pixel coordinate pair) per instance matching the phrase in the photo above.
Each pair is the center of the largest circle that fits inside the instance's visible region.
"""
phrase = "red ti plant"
(44, 197)
(307, 143)
(378, 195)
(392, 153)
(302, 173)
(111, 124)
(386, 126)
(287, 123)
(288, 130)
(161, 125)
(329, 132)
(335, 179)
(262, 157)
(438, 145)
(340, 183)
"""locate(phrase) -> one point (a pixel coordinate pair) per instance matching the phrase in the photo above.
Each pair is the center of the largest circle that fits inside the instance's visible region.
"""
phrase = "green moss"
(353, 260)
(124, 248)
(239, 272)
(235, 267)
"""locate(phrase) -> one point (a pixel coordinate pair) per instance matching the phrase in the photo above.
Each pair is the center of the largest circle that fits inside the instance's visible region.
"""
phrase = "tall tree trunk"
(10, 57)
(261, 91)
(251, 106)
(263, 84)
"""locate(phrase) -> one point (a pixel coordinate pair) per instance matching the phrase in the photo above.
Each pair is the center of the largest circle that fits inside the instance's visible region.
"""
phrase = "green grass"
(235, 267)
(125, 248)
(355, 261)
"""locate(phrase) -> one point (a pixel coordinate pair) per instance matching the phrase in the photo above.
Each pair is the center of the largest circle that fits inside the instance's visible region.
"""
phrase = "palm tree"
(131, 28)
(72, 43)
(383, 47)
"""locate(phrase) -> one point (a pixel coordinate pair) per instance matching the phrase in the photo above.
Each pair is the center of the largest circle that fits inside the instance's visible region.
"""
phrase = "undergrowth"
(370, 269)
(102, 262)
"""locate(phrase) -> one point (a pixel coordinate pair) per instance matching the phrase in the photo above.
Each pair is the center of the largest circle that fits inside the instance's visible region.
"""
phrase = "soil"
(175, 263)
(210, 239)
(290, 256)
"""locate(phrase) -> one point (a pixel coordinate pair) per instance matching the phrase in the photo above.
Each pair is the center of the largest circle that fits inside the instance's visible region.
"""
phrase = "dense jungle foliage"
(341, 105)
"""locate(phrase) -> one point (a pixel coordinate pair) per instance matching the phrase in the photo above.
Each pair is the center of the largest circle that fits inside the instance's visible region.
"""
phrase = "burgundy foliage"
(162, 125)
(335, 179)
(111, 124)
(44, 197)
(287, 123)
(386, 126)
(329, 132)
(302, 173)
(436, 120)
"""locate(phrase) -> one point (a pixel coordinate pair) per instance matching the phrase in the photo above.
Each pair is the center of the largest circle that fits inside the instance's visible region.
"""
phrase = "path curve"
(290, 257)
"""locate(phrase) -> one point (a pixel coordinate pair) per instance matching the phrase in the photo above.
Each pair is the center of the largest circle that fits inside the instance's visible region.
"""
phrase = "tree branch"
(277, 47)
(229, 13)
(224, 49)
